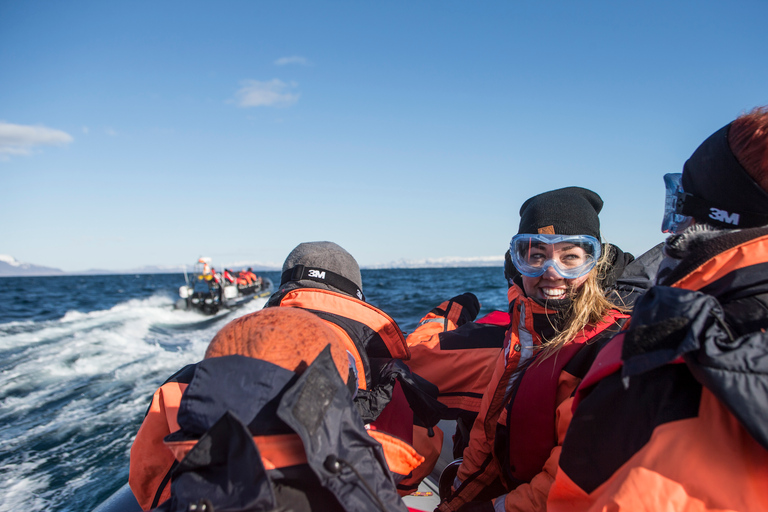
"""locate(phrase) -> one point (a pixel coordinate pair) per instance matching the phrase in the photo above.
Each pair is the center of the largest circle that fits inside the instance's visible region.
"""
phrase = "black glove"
(470, 307)
(370, 402)
(420, 393)
(477, 506)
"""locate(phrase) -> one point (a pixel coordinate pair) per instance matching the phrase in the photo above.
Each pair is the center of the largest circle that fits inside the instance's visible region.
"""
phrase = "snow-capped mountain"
(451, 262)
(10, 266)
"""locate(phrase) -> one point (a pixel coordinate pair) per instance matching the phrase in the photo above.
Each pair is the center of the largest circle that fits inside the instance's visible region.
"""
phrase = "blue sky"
(151, 133)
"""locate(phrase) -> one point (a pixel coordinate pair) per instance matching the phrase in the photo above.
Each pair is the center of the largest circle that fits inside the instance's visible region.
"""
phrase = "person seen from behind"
(672, 415)
(265, 422)
(399, 408)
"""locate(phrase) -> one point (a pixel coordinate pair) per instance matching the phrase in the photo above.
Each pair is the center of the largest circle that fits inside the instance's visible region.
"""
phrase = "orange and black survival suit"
(457, 353)
(254, 436)
(515, 440)
(399, 408)
(672, 415)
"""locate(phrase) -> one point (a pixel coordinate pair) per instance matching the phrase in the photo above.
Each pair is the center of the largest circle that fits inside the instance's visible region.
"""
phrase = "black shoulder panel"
(740, 283)
(183, 376)
(613, 423)
(367, 341)
(747, 315)
(472, 335)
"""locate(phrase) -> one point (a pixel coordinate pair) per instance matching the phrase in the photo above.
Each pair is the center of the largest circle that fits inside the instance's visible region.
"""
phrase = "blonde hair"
(589, 305)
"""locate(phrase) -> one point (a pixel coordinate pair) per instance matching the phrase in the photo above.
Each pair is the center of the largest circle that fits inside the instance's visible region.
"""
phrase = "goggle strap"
(320, 275)
(698, 208)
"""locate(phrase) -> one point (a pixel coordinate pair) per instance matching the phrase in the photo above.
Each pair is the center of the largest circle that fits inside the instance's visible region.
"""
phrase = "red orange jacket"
(671, 416)
(514, 442)
(457, 355)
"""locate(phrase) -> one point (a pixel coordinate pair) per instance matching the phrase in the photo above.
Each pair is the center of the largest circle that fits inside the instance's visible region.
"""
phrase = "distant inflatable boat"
(209, 291)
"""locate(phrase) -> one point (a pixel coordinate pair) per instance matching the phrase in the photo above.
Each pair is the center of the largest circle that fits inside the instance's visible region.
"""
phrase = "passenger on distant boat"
(212, 275)
(252, 278)
(566, 300)
(672, 415)
(228, 277)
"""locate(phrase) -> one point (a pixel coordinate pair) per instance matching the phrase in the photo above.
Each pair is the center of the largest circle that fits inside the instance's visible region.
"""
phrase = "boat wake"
(73, 392)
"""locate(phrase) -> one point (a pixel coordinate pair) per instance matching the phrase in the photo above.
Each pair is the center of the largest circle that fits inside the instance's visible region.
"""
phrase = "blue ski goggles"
(674, 221)
(571, 256)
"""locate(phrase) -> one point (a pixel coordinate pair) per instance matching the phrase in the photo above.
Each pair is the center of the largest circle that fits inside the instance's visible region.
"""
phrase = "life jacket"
(524, 430)
(368, 332)
(529, 432)
(684, 384)
(376, 343)
(517, 428)
(254, 436)
(154, 458)
(378, 347)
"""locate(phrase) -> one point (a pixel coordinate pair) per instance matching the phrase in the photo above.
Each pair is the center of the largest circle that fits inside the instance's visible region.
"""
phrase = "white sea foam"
(72, 389)
(19, 490)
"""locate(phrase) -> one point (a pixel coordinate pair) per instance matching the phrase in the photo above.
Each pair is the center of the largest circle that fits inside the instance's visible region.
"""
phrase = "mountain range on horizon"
(11, 267)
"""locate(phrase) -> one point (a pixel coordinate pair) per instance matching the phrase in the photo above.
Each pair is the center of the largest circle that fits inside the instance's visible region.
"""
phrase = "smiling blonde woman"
(564, 306)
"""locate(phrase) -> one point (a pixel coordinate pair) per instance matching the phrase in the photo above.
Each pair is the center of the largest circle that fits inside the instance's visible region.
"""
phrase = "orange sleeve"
(478, 461)
(698, 464)
(150, 459)
(461, 374)
(429, 448)
(434, 323)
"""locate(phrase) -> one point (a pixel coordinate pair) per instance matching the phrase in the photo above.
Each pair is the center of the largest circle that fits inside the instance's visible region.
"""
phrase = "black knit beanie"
(714, 174)
(565, 211)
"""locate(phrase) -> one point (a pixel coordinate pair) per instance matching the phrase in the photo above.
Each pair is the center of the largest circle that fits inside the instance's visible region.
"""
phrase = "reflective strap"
(430, 320)
(525, 346)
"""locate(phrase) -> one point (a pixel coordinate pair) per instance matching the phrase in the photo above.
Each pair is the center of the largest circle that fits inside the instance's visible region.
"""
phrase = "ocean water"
(80, 357)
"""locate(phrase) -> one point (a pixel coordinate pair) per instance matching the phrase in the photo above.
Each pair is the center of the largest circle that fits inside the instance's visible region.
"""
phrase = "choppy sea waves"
(81, 356)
